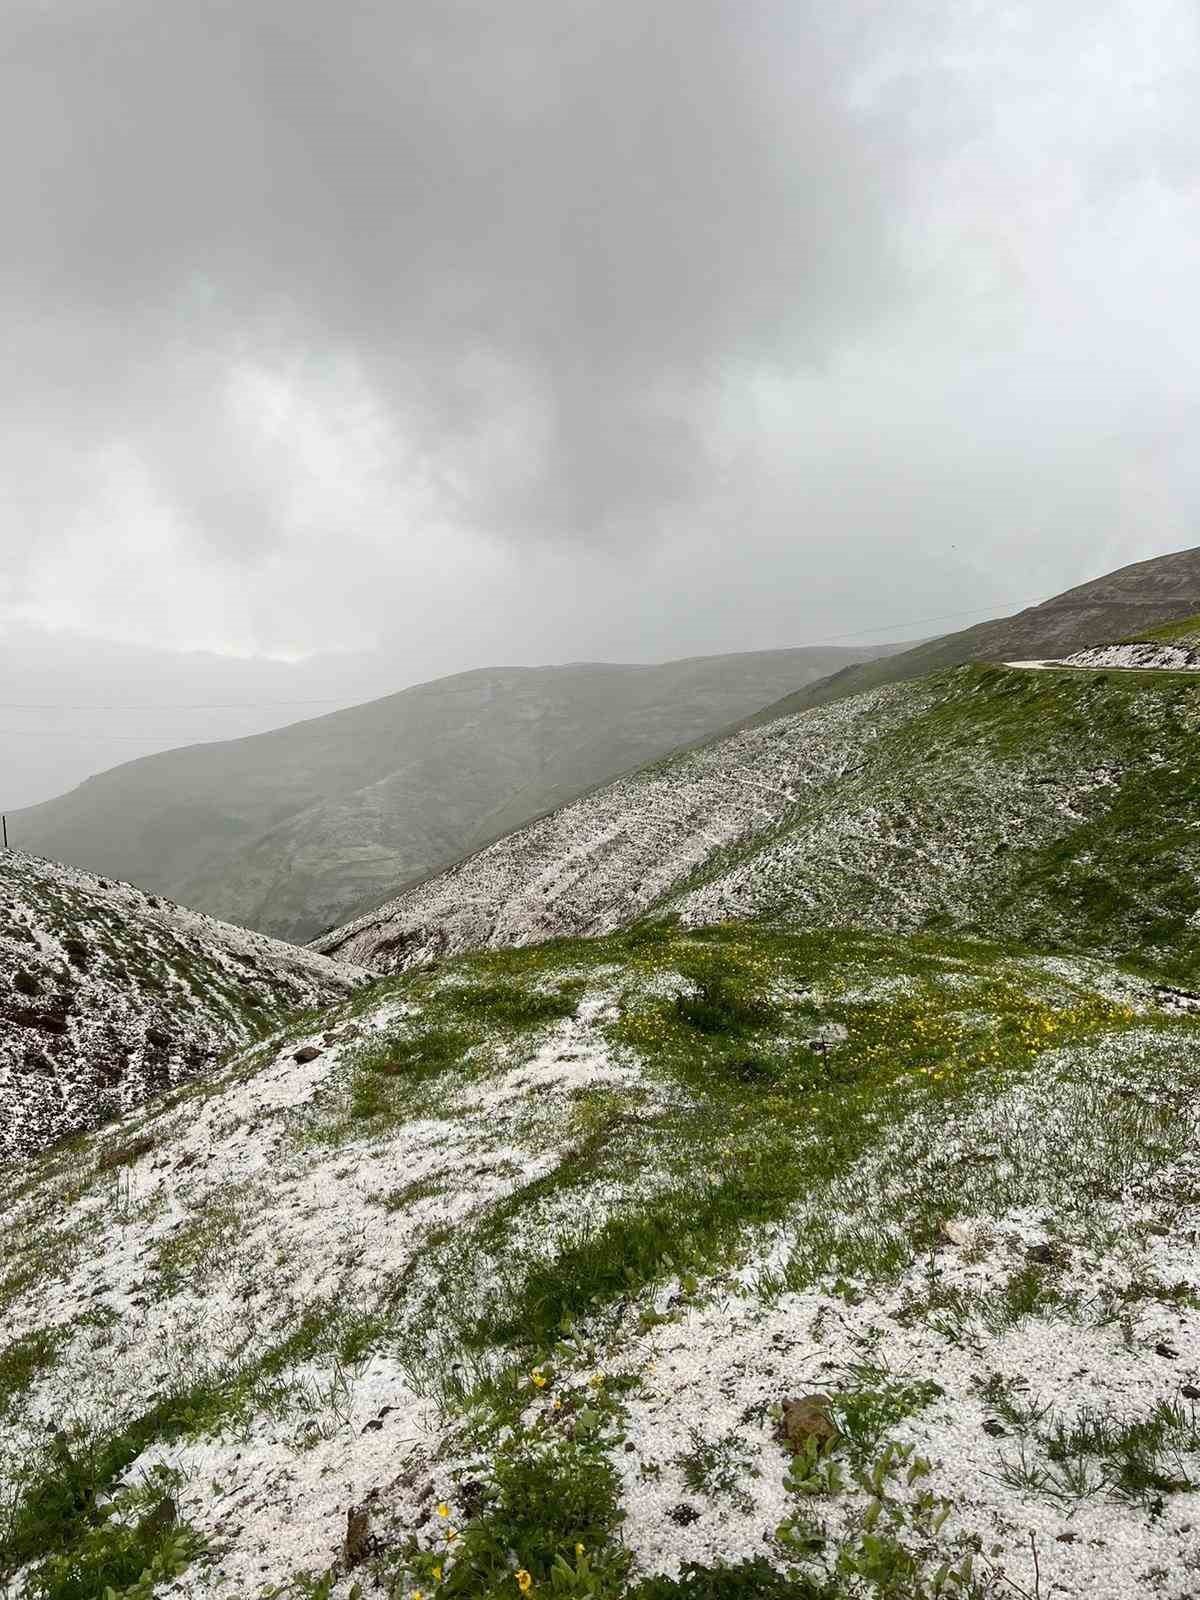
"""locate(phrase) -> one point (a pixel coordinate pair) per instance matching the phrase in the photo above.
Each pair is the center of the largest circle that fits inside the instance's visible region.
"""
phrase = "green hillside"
(1058, 808)
(1052, 807)
(1185, 632)
(721, 1263)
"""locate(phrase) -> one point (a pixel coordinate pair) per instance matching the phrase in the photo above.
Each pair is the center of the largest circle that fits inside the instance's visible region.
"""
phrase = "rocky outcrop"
(109, 997)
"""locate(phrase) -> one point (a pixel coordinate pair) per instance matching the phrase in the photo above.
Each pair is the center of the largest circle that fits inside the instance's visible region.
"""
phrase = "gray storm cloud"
(547, 235)
(467, 333)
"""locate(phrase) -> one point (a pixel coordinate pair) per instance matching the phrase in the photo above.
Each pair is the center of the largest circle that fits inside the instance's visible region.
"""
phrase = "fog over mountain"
(443, 336)
(295, 830)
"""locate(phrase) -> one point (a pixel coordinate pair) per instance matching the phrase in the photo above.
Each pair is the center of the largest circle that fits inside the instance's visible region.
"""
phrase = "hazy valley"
(775, 1173)
(293, 831)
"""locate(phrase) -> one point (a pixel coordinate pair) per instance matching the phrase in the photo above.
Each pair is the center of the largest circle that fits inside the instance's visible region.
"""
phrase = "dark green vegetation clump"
(718, 1005)
(83, 1537)
(512, 1005)
(545, 1505)
(758, 1579)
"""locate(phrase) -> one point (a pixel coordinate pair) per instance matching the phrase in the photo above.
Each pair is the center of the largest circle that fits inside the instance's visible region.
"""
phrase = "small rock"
(471, 1498)
(683, 1514)
(1190, 1392)
(164, 1515)
(804, 1418)
(827, 1037)
(956, 1233)
(1045, 1254)
(308, 1053)
(1166, 1350)
(996, 1429)
(358, 1544)
(1066, 1538)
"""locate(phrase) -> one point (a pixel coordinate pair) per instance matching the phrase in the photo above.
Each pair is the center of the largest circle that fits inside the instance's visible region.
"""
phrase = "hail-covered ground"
(986, 799)
(1136, 656)
(722, 1262)
(109, 996)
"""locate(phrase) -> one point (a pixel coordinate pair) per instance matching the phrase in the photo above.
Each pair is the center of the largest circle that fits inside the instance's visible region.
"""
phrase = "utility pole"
(4, 821)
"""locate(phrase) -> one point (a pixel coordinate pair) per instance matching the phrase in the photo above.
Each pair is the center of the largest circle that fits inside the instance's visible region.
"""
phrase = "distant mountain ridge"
(296, 830)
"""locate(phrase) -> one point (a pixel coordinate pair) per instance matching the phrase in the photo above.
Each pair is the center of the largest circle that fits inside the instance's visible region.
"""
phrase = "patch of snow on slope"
(1160, 657)
(601, 862)
(274, 1228)
(110, 997)
(713, 1377)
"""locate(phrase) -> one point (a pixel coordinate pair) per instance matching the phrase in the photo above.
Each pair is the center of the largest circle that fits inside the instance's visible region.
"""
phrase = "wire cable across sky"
(332, 700)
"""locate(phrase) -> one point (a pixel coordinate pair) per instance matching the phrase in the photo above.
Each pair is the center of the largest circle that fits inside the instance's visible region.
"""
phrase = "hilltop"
(293, 831)
(110, 997)
(1056, 807)
(1128, 603)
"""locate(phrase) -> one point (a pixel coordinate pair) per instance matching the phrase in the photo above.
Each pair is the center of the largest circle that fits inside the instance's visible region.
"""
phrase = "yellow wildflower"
(443, 1510)
(524, 1580)
(437, 1574)
(579, 1549)
(538, 1378)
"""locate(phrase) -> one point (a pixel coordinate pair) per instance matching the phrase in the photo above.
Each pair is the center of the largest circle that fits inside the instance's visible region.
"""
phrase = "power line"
(914, 622)
(264, 705)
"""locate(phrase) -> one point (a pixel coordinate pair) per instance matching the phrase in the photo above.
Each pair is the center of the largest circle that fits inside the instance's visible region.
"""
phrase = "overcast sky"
(444, 334)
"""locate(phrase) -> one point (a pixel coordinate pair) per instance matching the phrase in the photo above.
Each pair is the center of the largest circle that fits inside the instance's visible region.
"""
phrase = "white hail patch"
(110, 996)
(294, 1226)
(712, 1375)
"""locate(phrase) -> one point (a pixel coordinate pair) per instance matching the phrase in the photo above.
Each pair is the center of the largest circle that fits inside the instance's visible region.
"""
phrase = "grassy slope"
(1054, 807)
(547, 1236)
(1186, 631)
